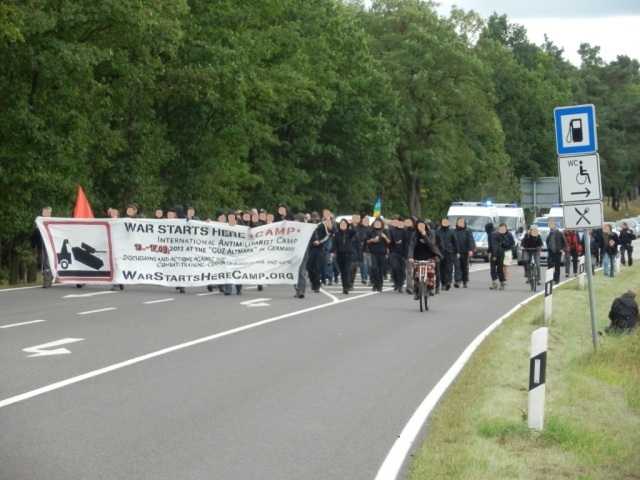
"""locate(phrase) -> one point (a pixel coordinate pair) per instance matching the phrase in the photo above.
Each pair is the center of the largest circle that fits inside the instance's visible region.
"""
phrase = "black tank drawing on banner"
(85, 255)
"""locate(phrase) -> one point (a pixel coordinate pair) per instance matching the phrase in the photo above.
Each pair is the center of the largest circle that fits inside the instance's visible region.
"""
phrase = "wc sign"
(576, 130)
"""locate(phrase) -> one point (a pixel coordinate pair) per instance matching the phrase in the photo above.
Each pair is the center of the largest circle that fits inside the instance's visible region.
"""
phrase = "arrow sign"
(39, 350)
(258, 302)
(586, 192)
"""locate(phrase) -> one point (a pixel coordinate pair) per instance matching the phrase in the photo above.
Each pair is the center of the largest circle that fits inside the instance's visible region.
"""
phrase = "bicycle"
(533, 269)
(423, 290)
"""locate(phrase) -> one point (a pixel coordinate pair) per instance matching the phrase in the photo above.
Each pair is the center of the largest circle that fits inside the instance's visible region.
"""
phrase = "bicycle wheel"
(427, 298)
(534, 278)
(422, 289)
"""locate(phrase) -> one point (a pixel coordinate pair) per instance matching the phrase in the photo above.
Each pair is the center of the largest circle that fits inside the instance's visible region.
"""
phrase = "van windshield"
(559, 221)
(510, 222)
(475, 224)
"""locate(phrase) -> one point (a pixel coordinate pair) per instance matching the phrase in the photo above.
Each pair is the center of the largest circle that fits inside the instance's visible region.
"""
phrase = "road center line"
(97, 311)
(159, 301)
(133, 361)
(23, 323)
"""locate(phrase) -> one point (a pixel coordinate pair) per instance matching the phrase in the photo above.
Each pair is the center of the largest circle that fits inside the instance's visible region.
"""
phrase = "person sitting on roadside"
(623, 314)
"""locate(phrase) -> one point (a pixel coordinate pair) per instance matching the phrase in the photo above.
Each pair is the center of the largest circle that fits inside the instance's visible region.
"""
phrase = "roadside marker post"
(537, 379)
(548, 295)
(581, 272)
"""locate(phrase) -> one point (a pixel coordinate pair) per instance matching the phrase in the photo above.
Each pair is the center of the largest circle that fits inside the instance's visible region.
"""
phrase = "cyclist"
(423, 247)
(531, 240)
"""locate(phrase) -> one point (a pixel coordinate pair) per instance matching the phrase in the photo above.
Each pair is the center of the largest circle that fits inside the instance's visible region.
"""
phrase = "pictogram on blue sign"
(576, 130)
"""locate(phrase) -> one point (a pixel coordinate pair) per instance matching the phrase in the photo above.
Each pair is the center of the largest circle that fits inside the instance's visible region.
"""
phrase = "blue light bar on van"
(467, 204)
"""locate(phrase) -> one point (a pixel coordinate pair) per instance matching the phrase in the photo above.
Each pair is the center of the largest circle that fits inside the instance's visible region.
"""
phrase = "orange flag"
(82, 208)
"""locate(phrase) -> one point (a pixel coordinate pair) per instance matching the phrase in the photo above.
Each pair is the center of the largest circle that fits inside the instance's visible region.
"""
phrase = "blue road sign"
(576, 130)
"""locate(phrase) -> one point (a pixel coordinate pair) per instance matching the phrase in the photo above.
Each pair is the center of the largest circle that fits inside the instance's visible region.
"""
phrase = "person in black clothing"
(466, 245)
(611, 241)
(597, 246)
(408, 230)
(449, 247)
(377, 241)
(422, 247)
(362, 229)
(496, 257)
(283, 214)
(623, 314)
(397, 249)
(315, 264)
(43, 259)
(556, 245)
(626, 237)
(531, 240)
(345, 252)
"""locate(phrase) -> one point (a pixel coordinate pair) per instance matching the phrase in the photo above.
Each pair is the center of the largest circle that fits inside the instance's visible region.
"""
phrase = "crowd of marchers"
(389, 249)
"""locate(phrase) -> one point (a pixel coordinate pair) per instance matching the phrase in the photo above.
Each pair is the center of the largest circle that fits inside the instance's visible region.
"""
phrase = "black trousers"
(398, 271)
(554, 261)
(315, 265)
(496, 268)
(345, 263)
(462, 268)
(446, 267)
(377, 269)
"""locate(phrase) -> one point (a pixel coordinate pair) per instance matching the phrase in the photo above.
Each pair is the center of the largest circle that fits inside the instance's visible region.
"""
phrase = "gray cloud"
(521, 9)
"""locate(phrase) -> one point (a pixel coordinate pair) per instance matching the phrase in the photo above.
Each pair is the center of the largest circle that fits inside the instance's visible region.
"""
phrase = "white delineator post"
(581, 272)
(537, 379)
(548, 297)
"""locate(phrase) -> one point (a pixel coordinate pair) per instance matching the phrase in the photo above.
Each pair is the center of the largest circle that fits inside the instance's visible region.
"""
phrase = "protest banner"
(174, 253)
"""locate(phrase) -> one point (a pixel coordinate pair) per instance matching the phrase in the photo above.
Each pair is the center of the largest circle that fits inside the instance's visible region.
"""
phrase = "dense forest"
(316, 104)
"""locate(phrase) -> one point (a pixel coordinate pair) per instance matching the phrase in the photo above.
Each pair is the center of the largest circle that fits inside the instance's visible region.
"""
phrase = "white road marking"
(65, 383)
(39, 350)
(97, 311)
(23, 323)
(256, 302)
(87, 294)
(208, 293)
(159, 301)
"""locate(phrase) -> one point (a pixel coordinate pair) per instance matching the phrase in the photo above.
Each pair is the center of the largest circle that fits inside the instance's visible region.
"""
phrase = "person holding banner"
(301, 286)
(43, 259)
(319, 238)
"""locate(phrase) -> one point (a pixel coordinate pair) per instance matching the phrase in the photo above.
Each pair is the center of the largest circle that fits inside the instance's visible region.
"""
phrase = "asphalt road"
(162, 385)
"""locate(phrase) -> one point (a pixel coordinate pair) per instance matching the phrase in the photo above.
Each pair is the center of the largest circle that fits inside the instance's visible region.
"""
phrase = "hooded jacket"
(380, 247)
(464, 236)
(448, 240)
(624, 311)
(343, 241)
(423, 247)
(179, 211)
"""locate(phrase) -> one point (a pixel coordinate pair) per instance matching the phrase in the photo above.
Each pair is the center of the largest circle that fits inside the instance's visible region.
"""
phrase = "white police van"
(477, 215)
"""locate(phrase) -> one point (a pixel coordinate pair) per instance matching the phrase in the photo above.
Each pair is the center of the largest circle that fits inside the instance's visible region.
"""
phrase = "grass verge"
(592, 411)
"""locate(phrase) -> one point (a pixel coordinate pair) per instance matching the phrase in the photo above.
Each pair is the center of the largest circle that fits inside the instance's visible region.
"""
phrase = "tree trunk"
(15, 259)
(413, 197)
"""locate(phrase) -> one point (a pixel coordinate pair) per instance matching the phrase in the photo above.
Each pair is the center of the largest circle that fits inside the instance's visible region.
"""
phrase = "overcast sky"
(613, 25)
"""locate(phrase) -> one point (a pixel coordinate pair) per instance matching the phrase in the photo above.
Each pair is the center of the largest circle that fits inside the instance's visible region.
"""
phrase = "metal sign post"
(580, 182)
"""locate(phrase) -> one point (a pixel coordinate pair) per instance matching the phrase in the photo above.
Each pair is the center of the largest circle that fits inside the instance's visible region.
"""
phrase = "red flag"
(82, 208)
